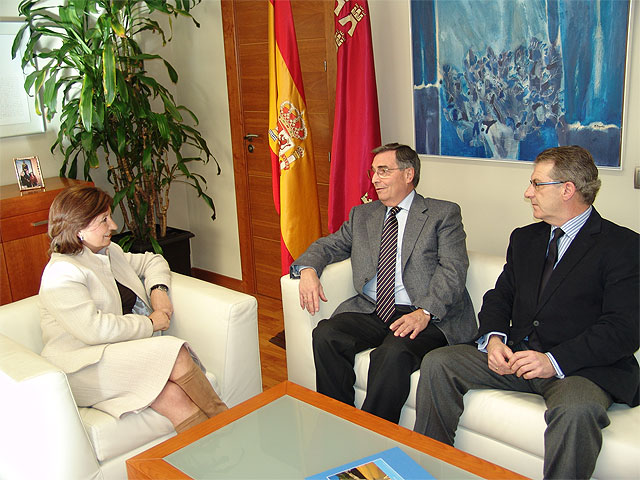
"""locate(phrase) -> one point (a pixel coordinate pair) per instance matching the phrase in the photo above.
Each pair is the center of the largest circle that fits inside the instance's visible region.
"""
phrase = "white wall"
(203, 88)
(489, 193)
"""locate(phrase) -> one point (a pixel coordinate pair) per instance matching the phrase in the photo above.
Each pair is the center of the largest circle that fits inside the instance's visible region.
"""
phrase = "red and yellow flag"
(356, 124)
(295, 192)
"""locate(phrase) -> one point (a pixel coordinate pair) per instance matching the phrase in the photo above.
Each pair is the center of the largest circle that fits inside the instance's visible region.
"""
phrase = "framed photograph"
(28, 173)
(503, 80)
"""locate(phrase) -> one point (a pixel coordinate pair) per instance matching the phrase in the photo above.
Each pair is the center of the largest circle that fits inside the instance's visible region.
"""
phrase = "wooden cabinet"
(24, 242)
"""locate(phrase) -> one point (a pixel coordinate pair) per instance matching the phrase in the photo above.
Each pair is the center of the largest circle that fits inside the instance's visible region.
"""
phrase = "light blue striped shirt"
(570, 229)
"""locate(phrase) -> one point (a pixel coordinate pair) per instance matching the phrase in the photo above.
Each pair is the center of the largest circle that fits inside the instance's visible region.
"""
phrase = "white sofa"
(43, 434)
(505, 428)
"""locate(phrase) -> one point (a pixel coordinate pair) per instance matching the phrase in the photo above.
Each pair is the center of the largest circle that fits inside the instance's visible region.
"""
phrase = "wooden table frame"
(151, 464)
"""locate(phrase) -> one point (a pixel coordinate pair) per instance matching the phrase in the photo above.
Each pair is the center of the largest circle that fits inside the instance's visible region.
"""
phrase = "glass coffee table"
(290, 432)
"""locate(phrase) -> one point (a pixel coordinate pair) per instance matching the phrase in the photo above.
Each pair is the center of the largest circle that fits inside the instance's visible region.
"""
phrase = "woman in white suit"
(100, 311)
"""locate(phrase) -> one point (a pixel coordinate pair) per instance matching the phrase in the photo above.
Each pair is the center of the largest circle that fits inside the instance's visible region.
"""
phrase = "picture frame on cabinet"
(28, 173)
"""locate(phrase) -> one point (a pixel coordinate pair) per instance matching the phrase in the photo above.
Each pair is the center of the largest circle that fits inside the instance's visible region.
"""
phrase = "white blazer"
(80, 306)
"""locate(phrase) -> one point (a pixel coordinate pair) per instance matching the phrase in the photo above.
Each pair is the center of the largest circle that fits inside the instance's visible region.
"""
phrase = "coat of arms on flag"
(291, 129)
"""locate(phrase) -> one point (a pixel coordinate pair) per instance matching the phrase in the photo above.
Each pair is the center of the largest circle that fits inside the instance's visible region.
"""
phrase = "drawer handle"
(40, 223)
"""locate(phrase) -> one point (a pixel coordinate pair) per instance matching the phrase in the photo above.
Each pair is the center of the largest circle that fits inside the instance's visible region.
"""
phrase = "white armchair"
(44, 433)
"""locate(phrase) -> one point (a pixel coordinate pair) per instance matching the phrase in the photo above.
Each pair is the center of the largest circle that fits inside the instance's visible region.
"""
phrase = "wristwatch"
(160, 286)
(433, 317)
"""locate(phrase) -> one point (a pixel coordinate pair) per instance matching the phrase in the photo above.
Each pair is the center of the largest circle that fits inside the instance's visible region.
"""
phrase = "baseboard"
(222, 280)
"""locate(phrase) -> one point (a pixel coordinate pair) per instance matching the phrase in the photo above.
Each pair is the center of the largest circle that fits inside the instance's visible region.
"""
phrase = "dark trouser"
(336, 342)
(575, 415)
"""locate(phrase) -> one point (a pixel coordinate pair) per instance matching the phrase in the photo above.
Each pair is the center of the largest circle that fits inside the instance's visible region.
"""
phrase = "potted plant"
(114, 112)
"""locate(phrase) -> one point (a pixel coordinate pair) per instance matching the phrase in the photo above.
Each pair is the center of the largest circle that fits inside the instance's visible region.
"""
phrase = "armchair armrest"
(43, 436)
(225, 337)
(337, 282)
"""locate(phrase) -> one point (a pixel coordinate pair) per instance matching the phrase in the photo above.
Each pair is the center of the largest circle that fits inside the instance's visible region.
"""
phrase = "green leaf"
(86, 141)
(173, 75)
(156, 246)
(146, 158)
(86, 106)
(171, 108)
(40, 77)
(92, 159)
(75, 18)
(163, 126)
(50, 95)
(117, 28)
(117, 5)
(122, 140)
(117, 197)
(123, 90)
(73, 168)
(98, 114)
(144, 56)
(151, 82)
(126, 241)
(17, 41)
(109, 73)
(28, 82)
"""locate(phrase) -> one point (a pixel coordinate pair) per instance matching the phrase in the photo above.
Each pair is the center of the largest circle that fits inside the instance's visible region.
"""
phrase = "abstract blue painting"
(505, 79)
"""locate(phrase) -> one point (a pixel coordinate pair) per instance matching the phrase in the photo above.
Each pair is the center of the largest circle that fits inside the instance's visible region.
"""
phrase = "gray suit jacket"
(434, 261)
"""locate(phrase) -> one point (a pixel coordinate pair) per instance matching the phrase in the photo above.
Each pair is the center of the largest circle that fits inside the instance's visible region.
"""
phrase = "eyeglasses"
(382, 172)
(541, 184)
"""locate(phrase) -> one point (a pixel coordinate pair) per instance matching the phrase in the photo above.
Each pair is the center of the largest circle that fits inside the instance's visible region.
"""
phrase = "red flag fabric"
(295, 192)
(356, 126)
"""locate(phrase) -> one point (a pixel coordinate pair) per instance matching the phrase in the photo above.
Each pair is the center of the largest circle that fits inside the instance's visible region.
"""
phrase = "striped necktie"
(386, 280)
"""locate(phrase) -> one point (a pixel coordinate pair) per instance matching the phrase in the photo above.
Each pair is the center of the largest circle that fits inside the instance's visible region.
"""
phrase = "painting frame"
(18, 112)
(450, 114)
(28, 173)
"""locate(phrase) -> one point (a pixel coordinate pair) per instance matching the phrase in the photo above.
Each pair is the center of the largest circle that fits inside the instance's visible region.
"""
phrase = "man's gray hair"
(406, 157)
(573, 164)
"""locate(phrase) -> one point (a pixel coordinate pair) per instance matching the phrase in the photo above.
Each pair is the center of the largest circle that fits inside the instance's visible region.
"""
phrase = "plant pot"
(176, 248)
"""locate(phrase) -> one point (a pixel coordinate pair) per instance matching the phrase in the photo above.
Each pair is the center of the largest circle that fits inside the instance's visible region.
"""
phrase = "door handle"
(250, 137)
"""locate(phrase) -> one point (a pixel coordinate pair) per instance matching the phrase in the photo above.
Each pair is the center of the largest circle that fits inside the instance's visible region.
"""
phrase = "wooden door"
(246, 50)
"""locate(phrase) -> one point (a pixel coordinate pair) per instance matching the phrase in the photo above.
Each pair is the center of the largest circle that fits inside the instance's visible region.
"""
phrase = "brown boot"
(196, 385)
(193, 420)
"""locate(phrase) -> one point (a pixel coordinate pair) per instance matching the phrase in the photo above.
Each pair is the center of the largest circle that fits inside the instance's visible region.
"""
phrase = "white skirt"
(129, 376)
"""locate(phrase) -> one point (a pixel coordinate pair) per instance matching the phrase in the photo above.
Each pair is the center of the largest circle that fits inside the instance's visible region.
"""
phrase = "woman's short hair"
(572, 163)
(406, 157)
(72, 210)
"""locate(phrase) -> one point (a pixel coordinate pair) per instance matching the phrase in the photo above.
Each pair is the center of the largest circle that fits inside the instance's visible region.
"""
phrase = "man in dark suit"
(561, 322)
(423, 286)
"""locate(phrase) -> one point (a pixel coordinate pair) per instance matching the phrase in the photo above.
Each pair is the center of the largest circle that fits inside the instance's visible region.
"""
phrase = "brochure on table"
(391, 464)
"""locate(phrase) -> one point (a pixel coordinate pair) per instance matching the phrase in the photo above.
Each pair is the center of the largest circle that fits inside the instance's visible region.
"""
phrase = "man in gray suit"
(429, 305)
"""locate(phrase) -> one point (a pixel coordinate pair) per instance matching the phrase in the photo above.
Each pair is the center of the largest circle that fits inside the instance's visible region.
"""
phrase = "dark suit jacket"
(588, 315)
(434, 261)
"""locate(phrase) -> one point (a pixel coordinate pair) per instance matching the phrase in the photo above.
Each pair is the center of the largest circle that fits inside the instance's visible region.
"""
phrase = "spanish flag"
(295, 193)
